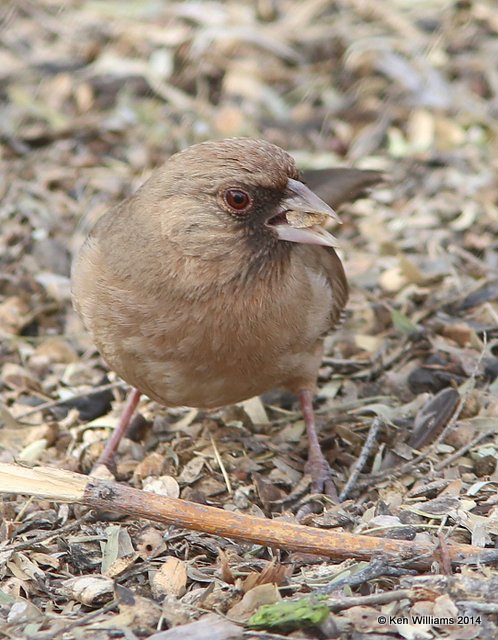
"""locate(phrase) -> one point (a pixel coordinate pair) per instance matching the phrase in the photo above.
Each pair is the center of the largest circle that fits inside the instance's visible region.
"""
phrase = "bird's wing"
(339, 185)
(324, 264)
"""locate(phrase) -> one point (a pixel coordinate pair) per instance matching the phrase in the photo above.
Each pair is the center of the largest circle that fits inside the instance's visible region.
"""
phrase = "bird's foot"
(317, 466)
(321, 476)
(321, 483)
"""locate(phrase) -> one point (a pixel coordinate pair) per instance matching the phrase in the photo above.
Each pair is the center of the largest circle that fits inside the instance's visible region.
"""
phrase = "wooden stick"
(60, 485)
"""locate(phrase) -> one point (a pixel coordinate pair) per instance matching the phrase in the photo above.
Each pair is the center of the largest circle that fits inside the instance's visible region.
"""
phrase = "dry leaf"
(14, 315)
(211, 626)
(117, 553)
(460, 333)
(56, 350)
(151, 465)
(273, 573)
(192, 470)
(170, 579)
(367, 619)
(162, 486)
(150, 543)
(89, 590)
(252, 600)
(138, 613)
(23, 612)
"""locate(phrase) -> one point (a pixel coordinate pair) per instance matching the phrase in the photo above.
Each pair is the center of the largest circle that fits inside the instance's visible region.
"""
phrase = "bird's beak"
(302, 216)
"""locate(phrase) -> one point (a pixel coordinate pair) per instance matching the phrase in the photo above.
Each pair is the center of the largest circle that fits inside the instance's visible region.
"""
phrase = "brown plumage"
(197, 290)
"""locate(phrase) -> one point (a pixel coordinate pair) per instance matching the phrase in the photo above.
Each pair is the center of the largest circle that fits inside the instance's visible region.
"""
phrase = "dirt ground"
(95, 94)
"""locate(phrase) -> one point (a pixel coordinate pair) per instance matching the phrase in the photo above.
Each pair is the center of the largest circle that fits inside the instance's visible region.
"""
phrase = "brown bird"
(216, 282)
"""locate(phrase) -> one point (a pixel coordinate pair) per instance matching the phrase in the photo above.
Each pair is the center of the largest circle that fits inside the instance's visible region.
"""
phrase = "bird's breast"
(214, 358)
(217, 349)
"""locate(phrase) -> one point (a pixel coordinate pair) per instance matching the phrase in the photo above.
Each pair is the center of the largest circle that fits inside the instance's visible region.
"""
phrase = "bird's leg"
(118, 433)
(317, 466)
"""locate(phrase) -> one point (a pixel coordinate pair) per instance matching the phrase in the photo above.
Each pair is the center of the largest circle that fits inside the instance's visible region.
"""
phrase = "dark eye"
(238, 200)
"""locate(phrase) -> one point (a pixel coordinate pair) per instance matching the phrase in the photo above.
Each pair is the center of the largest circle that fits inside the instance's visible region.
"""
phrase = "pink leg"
(118, 433)
(317, 466)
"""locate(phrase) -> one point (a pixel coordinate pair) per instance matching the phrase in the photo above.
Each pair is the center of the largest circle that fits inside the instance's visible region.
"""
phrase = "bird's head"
(237, 190)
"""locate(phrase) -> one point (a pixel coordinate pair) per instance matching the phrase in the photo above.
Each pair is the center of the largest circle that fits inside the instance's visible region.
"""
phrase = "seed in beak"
(302, 220)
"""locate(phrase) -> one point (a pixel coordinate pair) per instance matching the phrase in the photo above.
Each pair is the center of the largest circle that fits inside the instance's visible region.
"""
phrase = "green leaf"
(403, 323)
(289, 615)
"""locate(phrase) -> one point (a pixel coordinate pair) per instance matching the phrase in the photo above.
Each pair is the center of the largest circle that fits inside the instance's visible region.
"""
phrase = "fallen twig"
(485, 607)
(339, 604)
(60, 485)
(462, 451)
(362, 458)
(377, 568)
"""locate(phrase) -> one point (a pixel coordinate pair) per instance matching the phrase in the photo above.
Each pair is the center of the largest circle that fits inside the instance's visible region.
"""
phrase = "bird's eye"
(238, 200)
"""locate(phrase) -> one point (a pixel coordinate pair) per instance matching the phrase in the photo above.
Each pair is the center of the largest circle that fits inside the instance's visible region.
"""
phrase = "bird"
(217, 281)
